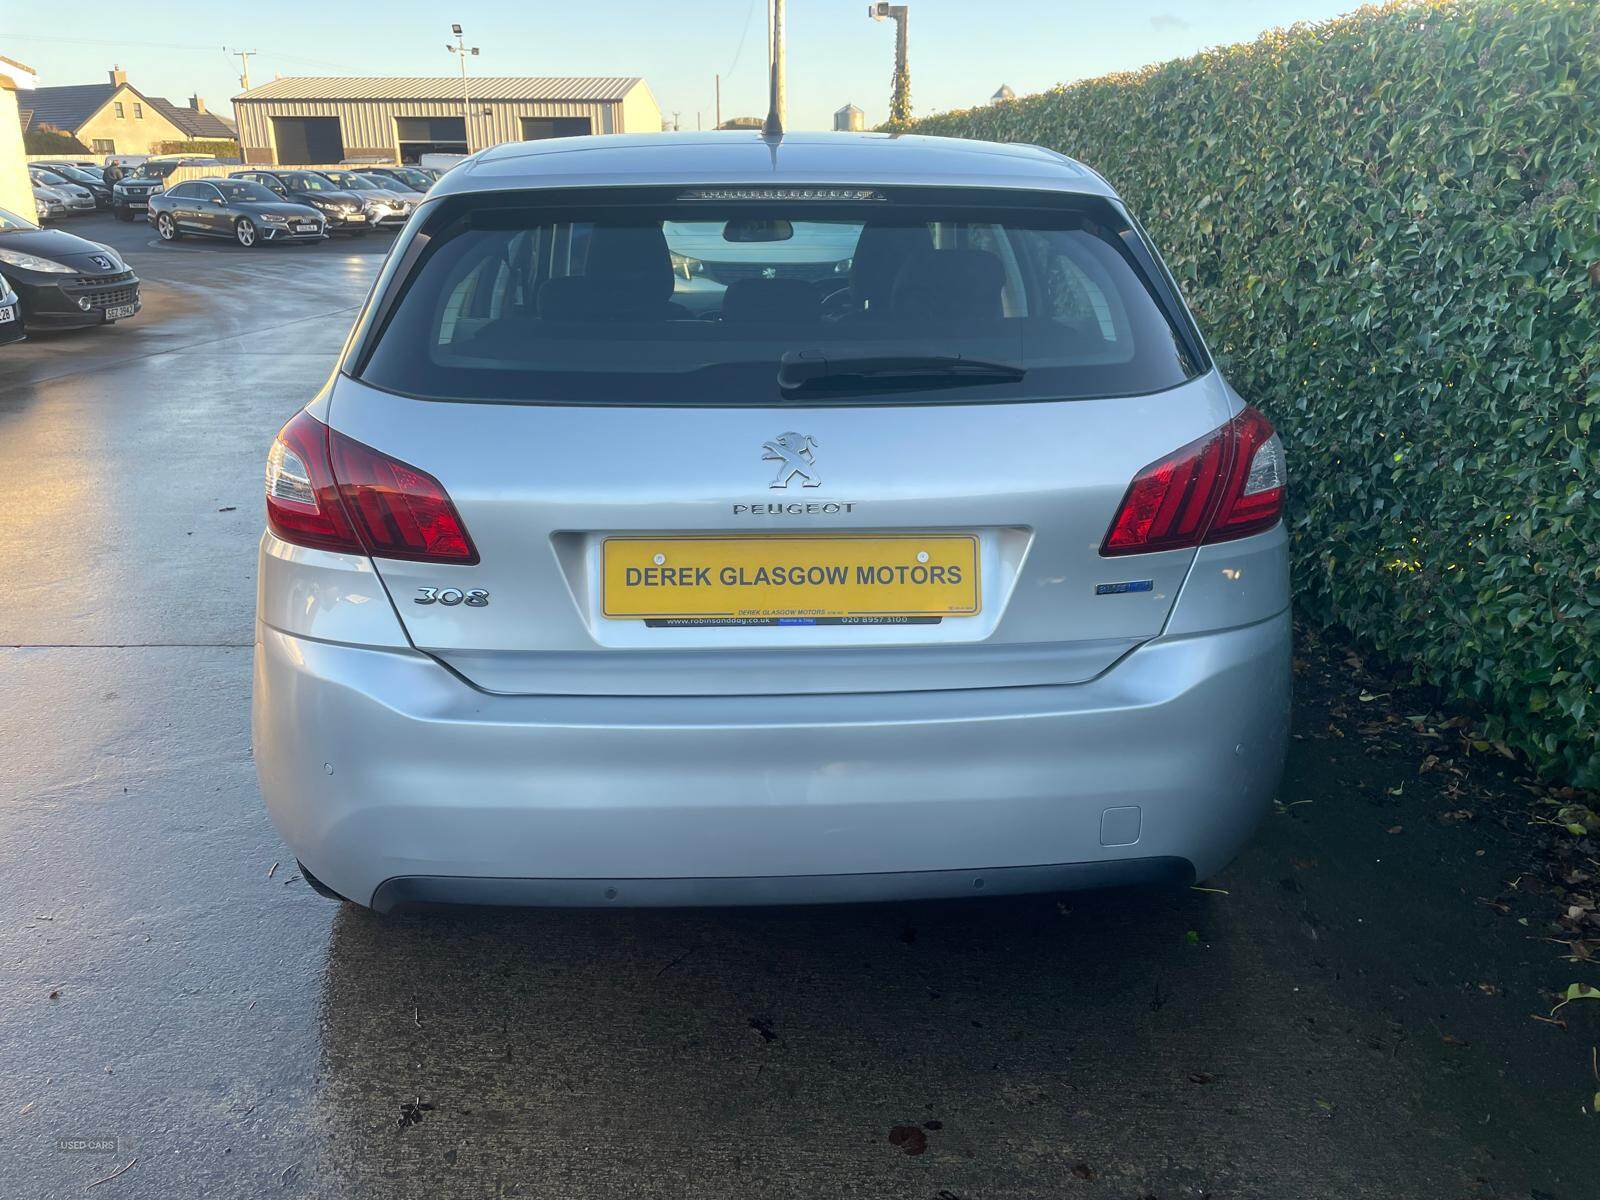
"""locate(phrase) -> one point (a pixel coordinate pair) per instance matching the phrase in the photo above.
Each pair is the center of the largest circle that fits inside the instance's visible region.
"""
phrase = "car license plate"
(120, 311)
(829, 578)
(306, 227)
(8, 312)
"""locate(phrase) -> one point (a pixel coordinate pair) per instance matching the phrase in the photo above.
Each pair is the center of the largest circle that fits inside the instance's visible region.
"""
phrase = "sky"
(961, 51)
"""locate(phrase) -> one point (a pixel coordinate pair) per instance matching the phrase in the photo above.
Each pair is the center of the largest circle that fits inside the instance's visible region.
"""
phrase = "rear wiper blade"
(812, 372)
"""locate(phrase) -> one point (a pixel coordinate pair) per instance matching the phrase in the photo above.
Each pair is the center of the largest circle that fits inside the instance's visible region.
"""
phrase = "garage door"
(536, 129)
(416, 136)
(307, 140)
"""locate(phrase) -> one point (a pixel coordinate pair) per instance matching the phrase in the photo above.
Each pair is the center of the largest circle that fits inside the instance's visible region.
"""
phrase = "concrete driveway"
(1347, 1017)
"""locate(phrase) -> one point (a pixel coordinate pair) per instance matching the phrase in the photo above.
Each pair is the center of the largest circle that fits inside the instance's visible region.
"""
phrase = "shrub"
(1389, 228)
(220, 149)
(47, 139)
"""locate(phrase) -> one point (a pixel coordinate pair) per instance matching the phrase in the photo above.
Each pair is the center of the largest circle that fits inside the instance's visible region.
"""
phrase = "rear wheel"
(245, 232)
(167, 227)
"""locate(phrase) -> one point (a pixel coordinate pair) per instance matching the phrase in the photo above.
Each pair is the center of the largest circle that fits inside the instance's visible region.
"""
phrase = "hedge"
(1389, 227)
(216, 148)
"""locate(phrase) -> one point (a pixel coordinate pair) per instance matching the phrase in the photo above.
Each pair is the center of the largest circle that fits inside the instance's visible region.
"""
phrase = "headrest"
(627, 277)
(635, 252)
(881, 250)
(950, 284)
(791, 300)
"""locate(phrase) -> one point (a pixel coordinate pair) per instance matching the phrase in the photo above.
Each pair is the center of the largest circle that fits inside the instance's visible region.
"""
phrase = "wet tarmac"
(1344, 1018)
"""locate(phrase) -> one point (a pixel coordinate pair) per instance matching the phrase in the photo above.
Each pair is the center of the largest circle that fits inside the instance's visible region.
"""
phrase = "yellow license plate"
(893, 575)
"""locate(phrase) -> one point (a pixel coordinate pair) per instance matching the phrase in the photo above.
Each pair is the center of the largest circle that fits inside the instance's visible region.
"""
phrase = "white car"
(958, 570)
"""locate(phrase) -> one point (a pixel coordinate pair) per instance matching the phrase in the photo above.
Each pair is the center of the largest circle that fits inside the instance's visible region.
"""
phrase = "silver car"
(385, 202)
(76, 197)
(939, 560)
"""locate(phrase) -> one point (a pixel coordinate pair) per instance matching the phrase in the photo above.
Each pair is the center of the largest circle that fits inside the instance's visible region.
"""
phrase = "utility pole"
(777, 58)
(244, 65)
(461, 50)
(718, 125)
(900, 86)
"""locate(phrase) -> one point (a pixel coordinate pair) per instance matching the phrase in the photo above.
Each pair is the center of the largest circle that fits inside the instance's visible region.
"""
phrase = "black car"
(130, 194)
(66, 173)
(233, 208)
(344, 211)
(64, 281)
(10, 314)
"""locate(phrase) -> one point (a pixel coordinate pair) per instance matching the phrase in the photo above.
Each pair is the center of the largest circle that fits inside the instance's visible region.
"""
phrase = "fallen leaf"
(909, 1139)
(1395, 829)
(1083, 1170)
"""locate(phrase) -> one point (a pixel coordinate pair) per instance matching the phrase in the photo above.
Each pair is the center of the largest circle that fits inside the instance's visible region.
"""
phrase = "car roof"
(746, 157)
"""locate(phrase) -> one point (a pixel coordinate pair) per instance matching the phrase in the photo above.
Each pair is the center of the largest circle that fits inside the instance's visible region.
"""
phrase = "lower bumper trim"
(410, 890)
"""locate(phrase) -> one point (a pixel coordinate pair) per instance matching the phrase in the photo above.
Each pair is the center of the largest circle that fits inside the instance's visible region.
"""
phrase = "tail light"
(1226, 485)
(331, 492)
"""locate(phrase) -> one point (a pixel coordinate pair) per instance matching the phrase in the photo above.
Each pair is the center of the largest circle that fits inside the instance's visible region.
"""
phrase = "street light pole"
(461, 50)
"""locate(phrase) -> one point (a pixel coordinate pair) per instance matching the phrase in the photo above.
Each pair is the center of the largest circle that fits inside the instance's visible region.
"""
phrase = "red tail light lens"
(303, 504)
(332, 492)
(1226, 485)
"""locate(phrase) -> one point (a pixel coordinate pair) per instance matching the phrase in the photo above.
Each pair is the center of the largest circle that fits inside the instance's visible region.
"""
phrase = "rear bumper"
(394, 781)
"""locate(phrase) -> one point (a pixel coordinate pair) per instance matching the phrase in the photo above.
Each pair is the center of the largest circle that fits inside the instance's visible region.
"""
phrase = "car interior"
(514, 304)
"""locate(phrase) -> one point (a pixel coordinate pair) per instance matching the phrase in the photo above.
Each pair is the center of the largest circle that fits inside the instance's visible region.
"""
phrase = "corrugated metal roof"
(446, 87)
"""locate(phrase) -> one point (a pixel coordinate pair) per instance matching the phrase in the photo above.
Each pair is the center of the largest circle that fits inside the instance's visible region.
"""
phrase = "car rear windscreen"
(612, 297)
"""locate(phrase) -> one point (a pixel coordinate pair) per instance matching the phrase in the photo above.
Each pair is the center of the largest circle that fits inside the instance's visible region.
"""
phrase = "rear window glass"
(694, 301)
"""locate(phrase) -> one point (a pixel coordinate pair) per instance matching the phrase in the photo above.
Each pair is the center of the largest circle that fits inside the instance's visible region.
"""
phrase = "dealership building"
(329, 120)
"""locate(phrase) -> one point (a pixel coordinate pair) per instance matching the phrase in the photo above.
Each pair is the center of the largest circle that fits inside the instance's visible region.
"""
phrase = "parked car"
(79, 199)
(239, 209)
(50, 203)
(130, 195)
(440, 162)
(64, 281)
(963, 572)
(342, 210)
(387, 202)
(11, 325)
(414, 178)
(56, 174)
(412, 195)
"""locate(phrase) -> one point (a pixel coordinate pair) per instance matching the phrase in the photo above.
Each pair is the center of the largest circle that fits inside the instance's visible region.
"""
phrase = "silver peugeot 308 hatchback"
(719, 519)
